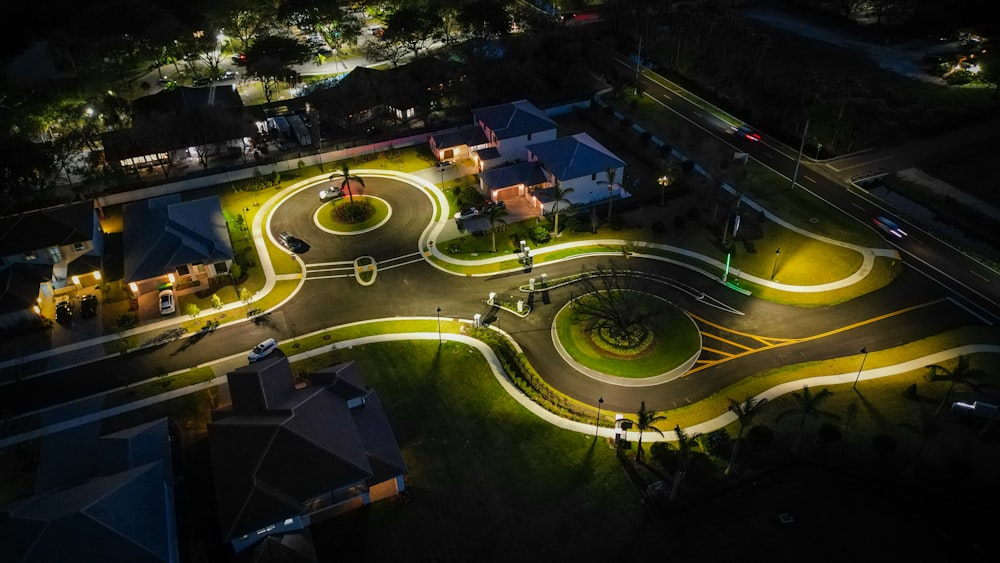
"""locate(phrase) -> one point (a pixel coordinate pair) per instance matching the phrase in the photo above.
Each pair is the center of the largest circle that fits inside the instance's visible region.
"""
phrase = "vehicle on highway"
(889, 226)
(331, 193)
(290, 242)
(466, 214)
(64, 312)
(88, 305)
(748, 133)
(444, 165)
(167, 304)
(262, 350)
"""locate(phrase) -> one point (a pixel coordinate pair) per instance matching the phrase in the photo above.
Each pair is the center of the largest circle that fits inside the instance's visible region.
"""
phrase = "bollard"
(531, 284)
(520, 305)
(476, 322)
(492, 298)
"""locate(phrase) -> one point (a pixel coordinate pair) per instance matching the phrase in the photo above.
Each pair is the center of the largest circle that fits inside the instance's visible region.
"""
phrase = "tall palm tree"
(808, 406)
(645, 421)
(558, 194)
(346, 178)
(745, 412)
(610, 172)
(495, 214)
(685, 444)
(963, 373)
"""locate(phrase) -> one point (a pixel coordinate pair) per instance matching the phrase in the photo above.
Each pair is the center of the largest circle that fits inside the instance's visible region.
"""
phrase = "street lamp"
(597, 425)
(865, 352)
(439, 326)
(774, 270)
(246, 226)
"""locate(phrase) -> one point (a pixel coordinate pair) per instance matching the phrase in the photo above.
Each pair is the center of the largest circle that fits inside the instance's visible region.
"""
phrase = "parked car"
(444, 165)
(331, 193)
(466, 214)
(889, 226)
(167, 304)
(291, 243)
(201, 81)
(491, 205)
(262, 350)
(88, 305)
(64, 312)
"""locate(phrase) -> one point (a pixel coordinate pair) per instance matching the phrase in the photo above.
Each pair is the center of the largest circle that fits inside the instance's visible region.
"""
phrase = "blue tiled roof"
(574, 157)
(469, 135)
(527, 173)
(514, 119)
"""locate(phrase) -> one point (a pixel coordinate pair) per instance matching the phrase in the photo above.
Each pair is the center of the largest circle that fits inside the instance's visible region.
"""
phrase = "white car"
(262, 350)
(167, 305)
(466, 214)
(330, 194)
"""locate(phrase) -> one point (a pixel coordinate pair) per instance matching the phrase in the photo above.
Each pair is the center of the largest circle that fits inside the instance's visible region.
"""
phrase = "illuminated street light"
(865, 352)
(597, 425)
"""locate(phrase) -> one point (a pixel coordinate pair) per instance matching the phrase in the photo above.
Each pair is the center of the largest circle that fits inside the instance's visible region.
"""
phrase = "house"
(180, 123)
(168, 240)
(399, 95)
(284, 456)
(497, 136)
(96, 498)
(510, 128)
(579, 163)
(46, 253)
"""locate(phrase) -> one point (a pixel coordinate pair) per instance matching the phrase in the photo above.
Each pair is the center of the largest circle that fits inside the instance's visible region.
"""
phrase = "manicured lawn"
(489, 481)
(328, 218)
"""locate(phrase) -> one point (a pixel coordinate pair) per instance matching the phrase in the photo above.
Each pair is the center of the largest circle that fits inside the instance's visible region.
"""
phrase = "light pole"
(597, 425)
(774, 270)
(439, 326)
(865, 352)
(663, 181)
(798, 160)
(246, 225)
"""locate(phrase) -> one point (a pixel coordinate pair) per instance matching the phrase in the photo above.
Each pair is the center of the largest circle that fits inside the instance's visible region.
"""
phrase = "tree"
(410, 25)
(382, 49)
(485, 19)
(346, 178)
(611, 305)
(808, 406)
(558, 195)
(246, 20)
(495, 213)
(192, 310)
(745, 412)
(645, 421)
(611, 172)
(963, 373)
(271, 59)
(685, 444)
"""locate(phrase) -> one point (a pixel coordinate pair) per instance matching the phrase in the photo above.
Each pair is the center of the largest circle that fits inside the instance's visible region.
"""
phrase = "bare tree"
(612, 305)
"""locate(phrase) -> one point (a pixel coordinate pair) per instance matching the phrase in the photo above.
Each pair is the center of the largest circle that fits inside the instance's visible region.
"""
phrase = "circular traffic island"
(627, 334)
(353, 215)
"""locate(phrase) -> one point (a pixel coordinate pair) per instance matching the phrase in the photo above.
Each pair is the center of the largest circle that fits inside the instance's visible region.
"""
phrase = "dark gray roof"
(283, 548)
(164, 233)
(574, 157)
(527, 173)
(56, 226)
(116, 517)
(185, 98)
(272, 455)
(19, 285)
(469, 135)
(487, 154)
(514, 119)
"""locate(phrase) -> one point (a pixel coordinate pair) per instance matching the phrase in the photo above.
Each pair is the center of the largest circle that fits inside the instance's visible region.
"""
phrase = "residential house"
(284, 455)
(178, 124)
(44, 254)
(497, 135)
(579, 163)
(168, 240)
(96, 498)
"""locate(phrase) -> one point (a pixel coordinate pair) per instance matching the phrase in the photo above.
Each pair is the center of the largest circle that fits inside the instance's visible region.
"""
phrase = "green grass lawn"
(489, 480)
(328, 219)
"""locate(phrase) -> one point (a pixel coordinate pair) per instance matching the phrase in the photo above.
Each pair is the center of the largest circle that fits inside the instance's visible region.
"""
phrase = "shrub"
(574, 224)
(626, 122)
(687, 165)
(665, 150)
(609, 111)
(644, 137)
(829, 433)
(540, 235)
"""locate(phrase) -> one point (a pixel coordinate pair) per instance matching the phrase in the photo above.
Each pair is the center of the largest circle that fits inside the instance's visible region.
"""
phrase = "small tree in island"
(614, 311)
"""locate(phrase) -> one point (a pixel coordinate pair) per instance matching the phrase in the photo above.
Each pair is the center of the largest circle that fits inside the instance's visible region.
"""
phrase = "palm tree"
(963, 373)
(645, 420)
(558, 194)
(494, 214)
(685, 444)
(611, 172)
(745, 412)
(808, 405)
(347, 178)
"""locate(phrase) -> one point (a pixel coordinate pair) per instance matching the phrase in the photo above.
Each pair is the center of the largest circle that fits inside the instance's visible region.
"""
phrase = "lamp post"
(439, 326)
(597, 425)
(798, 160)
(246, 225)
(774, 270)
(865, 352)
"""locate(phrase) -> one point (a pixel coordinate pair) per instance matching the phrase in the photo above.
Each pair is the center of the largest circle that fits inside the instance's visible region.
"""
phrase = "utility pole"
(795, 174)
(638, 61)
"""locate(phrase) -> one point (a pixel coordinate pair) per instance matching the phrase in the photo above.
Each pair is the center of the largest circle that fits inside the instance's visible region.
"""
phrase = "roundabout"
(326, 216)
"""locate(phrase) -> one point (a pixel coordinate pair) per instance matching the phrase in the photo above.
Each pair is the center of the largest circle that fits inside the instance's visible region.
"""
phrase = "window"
(593, 176)
(78, 246)
(221, 268)
(529, 136)
(182, 270)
